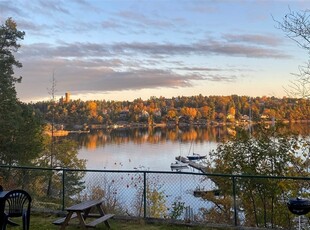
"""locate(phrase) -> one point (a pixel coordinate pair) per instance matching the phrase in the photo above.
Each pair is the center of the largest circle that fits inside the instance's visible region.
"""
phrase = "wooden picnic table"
(82, 211)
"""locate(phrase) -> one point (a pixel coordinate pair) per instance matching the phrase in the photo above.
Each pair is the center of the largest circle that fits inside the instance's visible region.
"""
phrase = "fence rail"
(235, 200)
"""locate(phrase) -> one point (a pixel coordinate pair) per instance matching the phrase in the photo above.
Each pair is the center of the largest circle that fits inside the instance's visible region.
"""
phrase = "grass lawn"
(44, 222)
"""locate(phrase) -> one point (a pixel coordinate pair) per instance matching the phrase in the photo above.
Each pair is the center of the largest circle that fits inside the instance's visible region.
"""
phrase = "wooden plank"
(60, 221)
(99, 220)
(84, 205)
(92, 215)
(81, 220)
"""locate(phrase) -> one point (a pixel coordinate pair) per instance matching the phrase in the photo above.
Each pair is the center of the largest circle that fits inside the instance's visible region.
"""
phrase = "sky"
(128, 49)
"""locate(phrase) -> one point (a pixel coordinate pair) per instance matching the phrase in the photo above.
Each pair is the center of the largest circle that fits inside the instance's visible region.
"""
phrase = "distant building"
(67, 97)
(124, 115)
(264, 117)
(245, 118)
(144, 114)
(157, 113)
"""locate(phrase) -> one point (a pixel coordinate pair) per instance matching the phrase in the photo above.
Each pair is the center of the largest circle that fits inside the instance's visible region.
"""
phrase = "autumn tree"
(155, 197)
(189, 112)
(65, 156)
(213, 108)
(269, 153)
(172, 114)
(231, 114)
(205, 111)
(92, 107)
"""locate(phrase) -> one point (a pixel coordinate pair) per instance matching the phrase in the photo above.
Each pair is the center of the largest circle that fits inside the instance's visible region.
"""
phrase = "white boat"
(178, 165)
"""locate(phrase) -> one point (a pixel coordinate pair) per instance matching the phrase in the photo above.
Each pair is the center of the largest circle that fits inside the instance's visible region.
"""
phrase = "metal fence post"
(144, 194)
(63, 189)
(235, 202)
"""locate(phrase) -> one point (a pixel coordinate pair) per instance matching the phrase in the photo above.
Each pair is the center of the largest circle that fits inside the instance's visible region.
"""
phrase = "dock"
(192, 164)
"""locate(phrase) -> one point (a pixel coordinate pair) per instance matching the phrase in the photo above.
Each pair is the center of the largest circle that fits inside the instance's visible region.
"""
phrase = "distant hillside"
(186, 110)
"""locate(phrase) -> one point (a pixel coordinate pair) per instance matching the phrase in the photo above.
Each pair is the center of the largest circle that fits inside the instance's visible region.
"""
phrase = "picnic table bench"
(82, 211)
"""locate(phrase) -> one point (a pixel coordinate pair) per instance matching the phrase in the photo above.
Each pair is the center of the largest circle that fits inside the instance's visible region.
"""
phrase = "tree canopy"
(270, 153)
(20, 128)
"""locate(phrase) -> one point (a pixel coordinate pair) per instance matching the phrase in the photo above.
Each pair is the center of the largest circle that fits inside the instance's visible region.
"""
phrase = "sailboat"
(195, 156)
(178, 164)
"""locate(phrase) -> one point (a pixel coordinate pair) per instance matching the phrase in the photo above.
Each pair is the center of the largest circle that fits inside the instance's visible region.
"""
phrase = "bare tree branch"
(296, 26)
(300, 87)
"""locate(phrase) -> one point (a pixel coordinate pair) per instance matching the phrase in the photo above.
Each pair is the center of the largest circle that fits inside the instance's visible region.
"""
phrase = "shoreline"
(87, 129)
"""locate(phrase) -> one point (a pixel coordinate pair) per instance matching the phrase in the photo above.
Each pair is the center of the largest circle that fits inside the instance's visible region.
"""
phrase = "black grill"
(299, 206)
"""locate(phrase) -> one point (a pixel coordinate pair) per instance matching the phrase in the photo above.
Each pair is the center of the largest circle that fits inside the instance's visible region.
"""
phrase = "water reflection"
(157, 135)
(155, 148)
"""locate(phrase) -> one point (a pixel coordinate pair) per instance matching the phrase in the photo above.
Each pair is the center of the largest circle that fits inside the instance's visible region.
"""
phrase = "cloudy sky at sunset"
(126, 49)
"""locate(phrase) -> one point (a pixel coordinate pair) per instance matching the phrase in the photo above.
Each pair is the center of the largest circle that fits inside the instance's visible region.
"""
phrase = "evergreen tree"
(20, 130)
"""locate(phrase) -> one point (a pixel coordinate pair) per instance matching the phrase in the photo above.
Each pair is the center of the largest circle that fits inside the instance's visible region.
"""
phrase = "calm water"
(152, 148)
(130, 155)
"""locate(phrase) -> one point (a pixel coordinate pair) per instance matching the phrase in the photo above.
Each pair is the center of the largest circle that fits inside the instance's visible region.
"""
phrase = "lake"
(153, 148)
(148, 149)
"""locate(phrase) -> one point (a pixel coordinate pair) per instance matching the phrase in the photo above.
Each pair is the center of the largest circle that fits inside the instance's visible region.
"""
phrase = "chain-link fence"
(233, 200)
